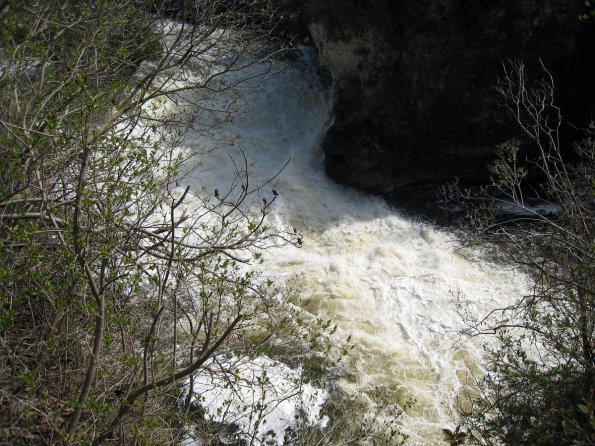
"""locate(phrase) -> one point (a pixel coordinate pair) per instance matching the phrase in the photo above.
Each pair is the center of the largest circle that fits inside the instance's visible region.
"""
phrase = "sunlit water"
(396, 286)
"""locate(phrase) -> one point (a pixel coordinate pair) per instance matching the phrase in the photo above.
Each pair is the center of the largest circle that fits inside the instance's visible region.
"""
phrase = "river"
(397, 286)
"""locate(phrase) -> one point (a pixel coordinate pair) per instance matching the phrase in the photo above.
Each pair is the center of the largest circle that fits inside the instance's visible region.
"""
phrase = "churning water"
(396, 286)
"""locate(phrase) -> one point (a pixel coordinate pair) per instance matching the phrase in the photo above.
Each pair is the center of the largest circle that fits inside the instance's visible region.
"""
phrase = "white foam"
(263, 398)
(396, 286)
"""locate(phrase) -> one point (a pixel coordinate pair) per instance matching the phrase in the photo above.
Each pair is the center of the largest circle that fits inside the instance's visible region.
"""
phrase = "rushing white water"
(395, 285)
(263, 404)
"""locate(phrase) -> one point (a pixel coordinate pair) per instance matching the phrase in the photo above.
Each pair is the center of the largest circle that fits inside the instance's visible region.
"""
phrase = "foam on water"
(264, 402)
(393, 284)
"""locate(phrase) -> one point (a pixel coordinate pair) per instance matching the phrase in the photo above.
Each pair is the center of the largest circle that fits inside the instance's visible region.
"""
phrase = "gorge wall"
(414, 97)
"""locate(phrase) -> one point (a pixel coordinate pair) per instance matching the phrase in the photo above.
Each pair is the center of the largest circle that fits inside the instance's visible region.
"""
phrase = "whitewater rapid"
(396, 286)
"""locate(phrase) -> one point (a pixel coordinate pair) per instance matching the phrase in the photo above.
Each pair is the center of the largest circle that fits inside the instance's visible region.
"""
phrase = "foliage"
(116, 285)
(589, 15)
(528, 16)
(540, 386)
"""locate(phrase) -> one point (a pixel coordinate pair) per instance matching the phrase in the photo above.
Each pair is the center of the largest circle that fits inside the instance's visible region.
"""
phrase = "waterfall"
(398, 287)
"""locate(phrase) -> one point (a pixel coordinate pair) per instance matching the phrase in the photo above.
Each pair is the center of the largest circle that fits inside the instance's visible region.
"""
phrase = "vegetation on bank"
(113, 296)
(539, 214)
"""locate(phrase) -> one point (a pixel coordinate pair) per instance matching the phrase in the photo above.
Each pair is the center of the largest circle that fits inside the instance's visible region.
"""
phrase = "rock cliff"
(414, 97)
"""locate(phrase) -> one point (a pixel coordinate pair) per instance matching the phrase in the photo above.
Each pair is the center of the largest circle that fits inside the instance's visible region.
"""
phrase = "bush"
(540, 385)
(116, 285)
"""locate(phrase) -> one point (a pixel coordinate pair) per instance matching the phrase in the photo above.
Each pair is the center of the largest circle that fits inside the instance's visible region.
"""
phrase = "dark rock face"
(414, 97)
